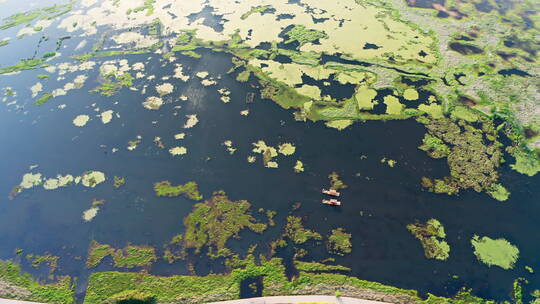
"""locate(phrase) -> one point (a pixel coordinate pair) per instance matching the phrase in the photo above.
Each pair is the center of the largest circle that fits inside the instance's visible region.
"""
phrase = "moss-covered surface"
(128, 257)
(211, 224)
(498, 252)
(432, 237)
(189, 189)
(21, 286)
(339, 242)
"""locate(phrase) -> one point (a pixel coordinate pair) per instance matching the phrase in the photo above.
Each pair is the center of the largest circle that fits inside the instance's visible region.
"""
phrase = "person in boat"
(333, 202)
(331, 192)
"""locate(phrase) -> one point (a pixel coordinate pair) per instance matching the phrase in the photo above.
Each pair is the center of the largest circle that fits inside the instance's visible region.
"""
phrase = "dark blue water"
(378, 204)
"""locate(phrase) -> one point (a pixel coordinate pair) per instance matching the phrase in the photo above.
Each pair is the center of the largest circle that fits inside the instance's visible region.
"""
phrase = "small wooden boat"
(331, 192)
(332, 202)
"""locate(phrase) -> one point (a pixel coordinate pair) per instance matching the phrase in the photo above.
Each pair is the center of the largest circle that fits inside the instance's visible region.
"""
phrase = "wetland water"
(378, 204)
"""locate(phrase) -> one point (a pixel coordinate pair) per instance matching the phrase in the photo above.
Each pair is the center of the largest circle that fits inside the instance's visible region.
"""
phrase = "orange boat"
(332, 202)
(331, 192)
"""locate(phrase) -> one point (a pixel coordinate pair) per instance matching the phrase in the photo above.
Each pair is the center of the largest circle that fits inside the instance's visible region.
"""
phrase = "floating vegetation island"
(432, 237)
(189, 189)
(339, 242)
(211, 224)
(128, 257)
(498, 252)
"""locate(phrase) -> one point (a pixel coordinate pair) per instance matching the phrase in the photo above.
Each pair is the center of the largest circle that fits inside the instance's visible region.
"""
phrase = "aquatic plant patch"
(498, 252)
(189, 189)
(432, 237)
(212, 223)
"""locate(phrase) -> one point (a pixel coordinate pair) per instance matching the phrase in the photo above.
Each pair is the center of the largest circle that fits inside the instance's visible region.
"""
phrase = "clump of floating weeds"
(211, 224)
(119, 181)
(129, 257)
(339, 242)
(189, 189)
(498, 252)
(432, 237)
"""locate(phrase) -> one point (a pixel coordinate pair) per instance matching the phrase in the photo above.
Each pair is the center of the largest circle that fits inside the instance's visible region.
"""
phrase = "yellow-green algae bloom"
(153, 103)
(434, 110)
(30, 180)
(287, 149)
(106, 116)
(88, 179)
(81, 120)
(89, 214)
(92, 178)
(272, 164)
(498, 252)
(59, 181)
(268, 153)
(192, 120)
(364, 97)
(393, 106)
(178, 151)
(229, 145)
(164, 89)
(339, 124)
(298, 167)
(410, 94)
